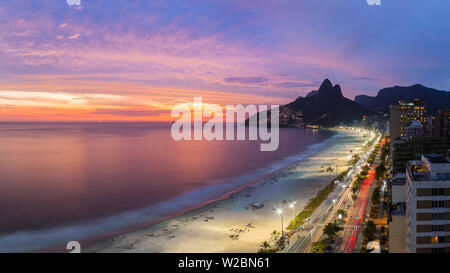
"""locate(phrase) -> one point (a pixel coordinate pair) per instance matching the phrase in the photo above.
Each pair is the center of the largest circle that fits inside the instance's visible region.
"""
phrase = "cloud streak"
(246, 80)
(150, 55)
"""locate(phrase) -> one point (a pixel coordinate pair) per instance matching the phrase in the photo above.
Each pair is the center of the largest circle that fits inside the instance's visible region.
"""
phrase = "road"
(312, 230)
(355, 217)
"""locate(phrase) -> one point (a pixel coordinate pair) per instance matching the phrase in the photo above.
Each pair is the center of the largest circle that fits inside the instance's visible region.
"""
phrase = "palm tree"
(318, 247)
(275, 235)
(330, 169)
(331, 229)
(265, 245)
(342, 212)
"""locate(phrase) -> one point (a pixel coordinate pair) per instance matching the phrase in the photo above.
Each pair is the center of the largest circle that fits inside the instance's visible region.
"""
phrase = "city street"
(355, 217)
(339, 199)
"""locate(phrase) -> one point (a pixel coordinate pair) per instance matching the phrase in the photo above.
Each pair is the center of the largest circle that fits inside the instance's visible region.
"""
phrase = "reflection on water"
(61, 173)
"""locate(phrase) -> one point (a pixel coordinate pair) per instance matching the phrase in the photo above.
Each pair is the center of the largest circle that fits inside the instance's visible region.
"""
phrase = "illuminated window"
(434, 240)
(437, 239)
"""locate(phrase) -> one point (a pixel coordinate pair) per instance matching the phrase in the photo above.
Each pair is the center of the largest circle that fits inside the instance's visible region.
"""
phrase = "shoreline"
(103, 229)
(203, 222)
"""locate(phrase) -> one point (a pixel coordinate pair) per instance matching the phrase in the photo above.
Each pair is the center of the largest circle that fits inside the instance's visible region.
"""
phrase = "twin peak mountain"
(326, 106)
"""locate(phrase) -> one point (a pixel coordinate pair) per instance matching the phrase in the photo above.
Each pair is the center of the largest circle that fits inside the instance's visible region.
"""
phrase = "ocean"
(61, 182)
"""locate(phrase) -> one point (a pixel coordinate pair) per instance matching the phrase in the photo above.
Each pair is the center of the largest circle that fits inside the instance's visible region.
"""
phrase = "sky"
(100, 60)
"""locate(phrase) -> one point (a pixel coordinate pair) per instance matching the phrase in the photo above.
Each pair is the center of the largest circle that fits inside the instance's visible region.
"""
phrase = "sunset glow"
(117, 60)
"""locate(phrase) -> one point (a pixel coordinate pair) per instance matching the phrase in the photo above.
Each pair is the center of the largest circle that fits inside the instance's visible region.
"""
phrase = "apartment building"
(402, 150)
(428, 204)
(414, 129)
(441, 123)
(397, 219)
(403, 114)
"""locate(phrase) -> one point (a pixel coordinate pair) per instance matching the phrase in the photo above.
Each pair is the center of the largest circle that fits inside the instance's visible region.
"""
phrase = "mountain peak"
(435, 99)
(338, 90)
(326, 84)
(329, 91)
(327, 106)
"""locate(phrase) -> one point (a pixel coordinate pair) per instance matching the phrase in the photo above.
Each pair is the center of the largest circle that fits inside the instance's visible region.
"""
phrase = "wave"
(26, 241)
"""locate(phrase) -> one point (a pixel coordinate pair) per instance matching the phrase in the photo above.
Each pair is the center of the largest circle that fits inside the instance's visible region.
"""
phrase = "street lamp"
(280, 212)
(292, 205)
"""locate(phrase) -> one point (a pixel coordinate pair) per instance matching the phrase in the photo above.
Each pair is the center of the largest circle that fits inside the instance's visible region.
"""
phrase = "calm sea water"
(70, 181)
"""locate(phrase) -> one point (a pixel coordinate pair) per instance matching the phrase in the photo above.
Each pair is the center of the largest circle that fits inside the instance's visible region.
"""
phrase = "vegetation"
(275, 235)
(320, 246)
(373, 155)
(342, 212)
(265, 245)
(365, 170)
(376, 195)
(312, 205)
(331, 230)
(374, 212)
(384, 153)
(269, 250)
(380, 171)
(342, 175)
(369, 231)
(371, 159)
(354, 160)
(315, 202)
(370, 143)
(359, 179)
(329, 169)
(266, 248)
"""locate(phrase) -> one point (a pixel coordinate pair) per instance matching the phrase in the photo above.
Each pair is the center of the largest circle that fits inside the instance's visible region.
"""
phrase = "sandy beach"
(231, 225)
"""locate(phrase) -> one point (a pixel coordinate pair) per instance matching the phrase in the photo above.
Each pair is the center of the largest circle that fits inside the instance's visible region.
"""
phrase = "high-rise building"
(428, 204)
(403, 114)
(429, 127)
(414, 129)
(395, 127)
(441, 123)
(404, 149)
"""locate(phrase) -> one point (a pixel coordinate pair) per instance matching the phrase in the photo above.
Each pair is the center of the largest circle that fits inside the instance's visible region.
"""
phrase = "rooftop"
(437, 158)
(399, 179)
(433, 167)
